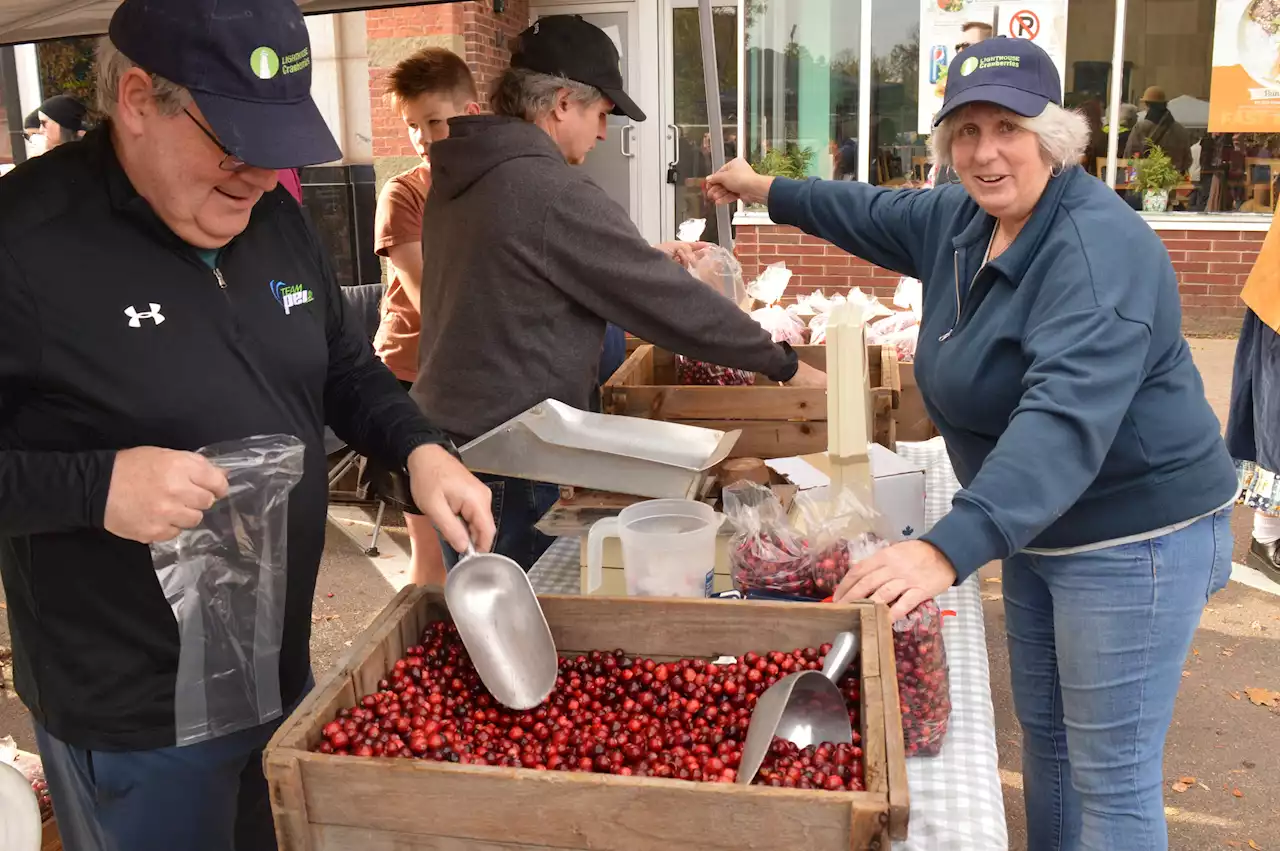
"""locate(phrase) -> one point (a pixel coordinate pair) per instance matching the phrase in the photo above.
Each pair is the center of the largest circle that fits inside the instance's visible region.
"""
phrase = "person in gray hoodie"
(527, 260)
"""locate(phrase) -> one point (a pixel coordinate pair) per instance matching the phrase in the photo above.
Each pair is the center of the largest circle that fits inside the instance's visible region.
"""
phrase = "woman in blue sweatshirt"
(1052, 360)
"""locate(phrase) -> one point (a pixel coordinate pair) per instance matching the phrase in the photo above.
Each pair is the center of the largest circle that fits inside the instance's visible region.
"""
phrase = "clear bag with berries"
(766, 553)
(924, 687)
(841, 531)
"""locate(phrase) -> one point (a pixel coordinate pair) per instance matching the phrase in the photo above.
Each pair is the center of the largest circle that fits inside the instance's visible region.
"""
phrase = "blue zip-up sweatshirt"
(1057, 374)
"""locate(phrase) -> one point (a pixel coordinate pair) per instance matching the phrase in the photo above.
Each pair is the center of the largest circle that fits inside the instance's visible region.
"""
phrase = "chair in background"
(365, 302)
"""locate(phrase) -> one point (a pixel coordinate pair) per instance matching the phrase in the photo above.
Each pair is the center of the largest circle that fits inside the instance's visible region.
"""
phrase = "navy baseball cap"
(247, 64)
(1013, 73)
(571, 47)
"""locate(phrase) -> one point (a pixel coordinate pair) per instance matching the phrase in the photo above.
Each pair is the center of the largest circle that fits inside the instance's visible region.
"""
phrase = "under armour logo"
(135, 318)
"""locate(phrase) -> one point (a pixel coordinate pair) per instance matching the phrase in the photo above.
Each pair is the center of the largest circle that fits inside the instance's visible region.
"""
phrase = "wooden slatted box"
(336, 803)
(776, 421)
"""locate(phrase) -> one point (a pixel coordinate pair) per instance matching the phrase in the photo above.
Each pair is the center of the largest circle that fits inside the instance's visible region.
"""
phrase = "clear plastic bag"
(771, 284)
(716, 267)
(766, 553)
(700, 373)
(924, 685)
(226, 580)
(781, 325)
(841, 531)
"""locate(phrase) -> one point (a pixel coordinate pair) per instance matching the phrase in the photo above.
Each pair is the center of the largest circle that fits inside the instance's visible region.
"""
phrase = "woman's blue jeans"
(1097, 642)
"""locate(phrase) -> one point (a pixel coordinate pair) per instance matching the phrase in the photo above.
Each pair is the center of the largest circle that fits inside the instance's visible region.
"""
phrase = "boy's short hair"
(981, 26)
(432, 71)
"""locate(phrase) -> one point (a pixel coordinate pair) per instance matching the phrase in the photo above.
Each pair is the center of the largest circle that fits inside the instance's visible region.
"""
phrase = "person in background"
(33, 135)
(532, 260)
(62, 120)
(1159, 127)
(973, 32)
(426, 90)
(1051, 358)
(1253, 424)
(1128, 117)
(209, 313)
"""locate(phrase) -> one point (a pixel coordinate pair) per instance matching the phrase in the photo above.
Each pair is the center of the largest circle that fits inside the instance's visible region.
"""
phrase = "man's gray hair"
(170, 97)
(1063, 134)
(521, 93)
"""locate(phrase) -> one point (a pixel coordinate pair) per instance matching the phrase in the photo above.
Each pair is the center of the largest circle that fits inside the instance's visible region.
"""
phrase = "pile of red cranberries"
(924, 689)
(700, 373)
(777, 562)
(609, 713)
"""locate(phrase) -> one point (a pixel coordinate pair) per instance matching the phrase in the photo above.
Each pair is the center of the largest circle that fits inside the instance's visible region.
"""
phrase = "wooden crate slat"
(330, 837)
(713, 403)
(691, 628)
(574, 810)
(872, 715)
(899, 794)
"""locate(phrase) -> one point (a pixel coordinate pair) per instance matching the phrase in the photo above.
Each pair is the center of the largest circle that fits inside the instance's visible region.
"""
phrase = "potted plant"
(790, 161)
(1155, 176)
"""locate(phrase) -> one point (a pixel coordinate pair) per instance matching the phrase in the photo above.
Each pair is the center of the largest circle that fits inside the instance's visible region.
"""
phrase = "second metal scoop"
(804, 708)
(503, 628)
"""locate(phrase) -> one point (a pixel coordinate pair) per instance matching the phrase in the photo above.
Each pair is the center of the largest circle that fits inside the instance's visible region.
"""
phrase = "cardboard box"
(897, 488)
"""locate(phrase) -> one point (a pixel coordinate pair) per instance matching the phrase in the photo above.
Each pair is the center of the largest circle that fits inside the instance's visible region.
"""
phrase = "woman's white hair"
(1063, 134)
(521, 93)
(170, 97)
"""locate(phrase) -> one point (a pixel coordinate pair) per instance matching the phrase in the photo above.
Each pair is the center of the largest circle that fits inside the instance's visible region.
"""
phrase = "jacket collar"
(1015, 261)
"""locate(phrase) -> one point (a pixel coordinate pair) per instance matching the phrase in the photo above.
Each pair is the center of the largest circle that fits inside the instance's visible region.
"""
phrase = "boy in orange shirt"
(426, 90)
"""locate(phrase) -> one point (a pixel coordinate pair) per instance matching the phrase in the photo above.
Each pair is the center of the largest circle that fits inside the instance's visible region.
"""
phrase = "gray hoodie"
(525, 259)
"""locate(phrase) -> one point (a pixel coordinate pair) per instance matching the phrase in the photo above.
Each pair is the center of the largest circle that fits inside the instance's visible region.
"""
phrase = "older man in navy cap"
(201, 309)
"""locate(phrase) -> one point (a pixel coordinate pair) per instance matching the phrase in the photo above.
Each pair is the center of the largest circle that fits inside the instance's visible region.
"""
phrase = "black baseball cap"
(568, 46)
(1013, 73)
(247, 64)
(66, 111)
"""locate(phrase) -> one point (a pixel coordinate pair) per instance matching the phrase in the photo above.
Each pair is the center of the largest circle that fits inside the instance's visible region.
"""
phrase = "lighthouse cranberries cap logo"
(266, 63)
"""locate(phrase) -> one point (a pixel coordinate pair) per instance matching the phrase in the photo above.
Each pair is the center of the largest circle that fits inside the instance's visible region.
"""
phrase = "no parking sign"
(1041, 21)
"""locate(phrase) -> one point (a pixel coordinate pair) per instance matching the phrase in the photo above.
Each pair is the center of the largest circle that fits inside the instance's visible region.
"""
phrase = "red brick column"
(1212, 267)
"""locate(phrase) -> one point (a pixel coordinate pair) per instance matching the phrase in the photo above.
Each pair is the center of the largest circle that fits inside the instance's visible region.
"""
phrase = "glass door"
(686, 131)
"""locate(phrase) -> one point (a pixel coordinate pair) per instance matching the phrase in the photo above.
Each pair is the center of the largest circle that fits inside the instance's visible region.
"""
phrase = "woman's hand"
(902, 576)
(737, 181)
(682, 252)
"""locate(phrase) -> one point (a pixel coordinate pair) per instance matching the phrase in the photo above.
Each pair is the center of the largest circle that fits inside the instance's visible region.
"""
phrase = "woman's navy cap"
(247, 64)
(1013, 73)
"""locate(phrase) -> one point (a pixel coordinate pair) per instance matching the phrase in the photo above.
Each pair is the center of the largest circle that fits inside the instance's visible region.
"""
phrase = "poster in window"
(1244, 96)
(942, 31)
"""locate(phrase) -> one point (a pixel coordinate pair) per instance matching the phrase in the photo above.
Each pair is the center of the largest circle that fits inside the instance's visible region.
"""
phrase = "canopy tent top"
(38, 20)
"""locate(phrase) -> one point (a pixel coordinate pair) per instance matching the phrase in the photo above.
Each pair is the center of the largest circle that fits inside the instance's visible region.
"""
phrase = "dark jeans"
(210, 796)
(517, 505)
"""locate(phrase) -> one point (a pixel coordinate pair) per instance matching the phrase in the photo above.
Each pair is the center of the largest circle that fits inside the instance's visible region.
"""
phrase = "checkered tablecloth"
(956, 799)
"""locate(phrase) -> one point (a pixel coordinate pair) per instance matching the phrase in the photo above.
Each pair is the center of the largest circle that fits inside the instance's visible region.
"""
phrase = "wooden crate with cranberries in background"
(776, 421)
(327, 802)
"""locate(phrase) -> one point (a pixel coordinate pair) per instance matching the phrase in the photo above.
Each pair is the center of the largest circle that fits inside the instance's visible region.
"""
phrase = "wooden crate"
(50, 839)
(776, 421)
(332, 803)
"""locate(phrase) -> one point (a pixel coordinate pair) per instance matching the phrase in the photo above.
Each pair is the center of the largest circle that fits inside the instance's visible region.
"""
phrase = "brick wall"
(1212, 267)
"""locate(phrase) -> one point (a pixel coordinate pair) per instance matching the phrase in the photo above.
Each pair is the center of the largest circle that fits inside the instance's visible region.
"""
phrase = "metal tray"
(553, 442)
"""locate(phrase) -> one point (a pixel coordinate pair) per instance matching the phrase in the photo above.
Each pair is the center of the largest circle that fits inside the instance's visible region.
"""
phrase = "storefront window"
(1171, 58)
(802, 87)
(1081, 41)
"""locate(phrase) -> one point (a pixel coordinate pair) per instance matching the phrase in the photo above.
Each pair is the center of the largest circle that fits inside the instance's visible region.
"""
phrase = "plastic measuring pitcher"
(668, 547)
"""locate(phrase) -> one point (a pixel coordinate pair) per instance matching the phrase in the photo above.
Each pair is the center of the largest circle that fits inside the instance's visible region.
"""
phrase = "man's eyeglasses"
(963, 46)
(230, 162)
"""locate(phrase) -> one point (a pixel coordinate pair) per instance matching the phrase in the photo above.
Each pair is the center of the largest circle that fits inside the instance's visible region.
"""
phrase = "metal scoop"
(503, 628)
(804, 708)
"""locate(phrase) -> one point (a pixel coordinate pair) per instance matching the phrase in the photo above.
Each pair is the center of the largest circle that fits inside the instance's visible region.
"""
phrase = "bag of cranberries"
(765, 553)
(924, 688)
(841, 533)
